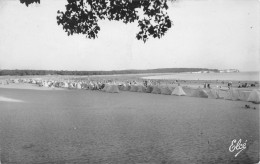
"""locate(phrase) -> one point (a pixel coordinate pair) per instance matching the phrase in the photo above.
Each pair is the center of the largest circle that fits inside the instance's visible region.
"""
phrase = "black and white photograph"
(129, 81)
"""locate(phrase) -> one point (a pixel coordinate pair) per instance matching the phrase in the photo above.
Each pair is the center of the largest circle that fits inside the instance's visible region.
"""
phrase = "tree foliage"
(82, 16)
(28, 2)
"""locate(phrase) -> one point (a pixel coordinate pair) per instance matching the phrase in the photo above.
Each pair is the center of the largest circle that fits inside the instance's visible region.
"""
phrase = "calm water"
(78, 126)
(241, 76)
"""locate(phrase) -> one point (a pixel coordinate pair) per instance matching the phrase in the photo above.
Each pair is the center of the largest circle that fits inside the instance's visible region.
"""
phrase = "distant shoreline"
(112, 72)
(141, 76)
(213, 77)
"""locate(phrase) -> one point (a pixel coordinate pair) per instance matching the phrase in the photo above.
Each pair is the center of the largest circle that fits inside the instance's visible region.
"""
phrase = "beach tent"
(171, 87)
(141, 88)
(133, 88)
(45, 84)
(49, 83)
(84, 86)
(71, 85)
(227, 95)
(52, 86)
(57, 84)
(178, 91)
(5, 82)
(254, 96)
(40, 83)
(106, 87)
(95, 86)
(244, 94)
(222, 93)
(156, 90)
(16, 81)
(121, 87)
(149, 89)
(213, 94)
(127, 87)
(91, 86)
(234, 94)
(231, 94)
(165, 90)
(87, 86)
(112, 88)
(199, 92)
(78, 85)
(65, 85)
(99, 86)
(124, 87)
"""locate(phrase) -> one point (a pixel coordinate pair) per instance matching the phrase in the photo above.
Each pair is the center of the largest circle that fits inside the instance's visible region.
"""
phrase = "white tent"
(91, 86)
(56, 84)
(78, 86)
(106, 87)
(254, 96)
(231, 94)
(45, 84)
(112, 88)
(84, 86)
(213, 94)
(156, 90)
(16, 81)
(234, 94)
(178, 91)
(227, 95)
(149, 89)
(121, 87)
(71, 85)
(40, 83)
(65, 85)
(244, 94)
(141, 88)
(165, 90)
(199, 93)
(133, 88)
(126, 87)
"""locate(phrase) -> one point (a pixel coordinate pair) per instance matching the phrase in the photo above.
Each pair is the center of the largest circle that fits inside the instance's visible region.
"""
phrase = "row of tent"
(16, 81)
(230, 94)
(113, 88)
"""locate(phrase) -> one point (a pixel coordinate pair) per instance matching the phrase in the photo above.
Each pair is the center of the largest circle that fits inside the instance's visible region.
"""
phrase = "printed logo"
(237, 146)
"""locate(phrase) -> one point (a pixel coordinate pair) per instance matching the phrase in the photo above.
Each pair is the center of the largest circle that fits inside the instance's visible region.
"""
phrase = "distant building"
(228, 70)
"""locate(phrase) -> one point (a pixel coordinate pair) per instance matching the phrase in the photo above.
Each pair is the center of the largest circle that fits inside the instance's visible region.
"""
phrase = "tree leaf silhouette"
(82, 16)
(28, 2)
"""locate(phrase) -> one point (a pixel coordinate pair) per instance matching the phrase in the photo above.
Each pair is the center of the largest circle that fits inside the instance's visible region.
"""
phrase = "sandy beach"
(27, 86)
(84, 126)
(129, 82)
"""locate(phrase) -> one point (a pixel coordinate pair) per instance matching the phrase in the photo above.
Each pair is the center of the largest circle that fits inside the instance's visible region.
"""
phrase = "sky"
(215, 34)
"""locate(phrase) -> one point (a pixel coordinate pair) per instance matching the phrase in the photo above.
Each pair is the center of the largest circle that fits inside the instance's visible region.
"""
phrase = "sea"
(236, 76)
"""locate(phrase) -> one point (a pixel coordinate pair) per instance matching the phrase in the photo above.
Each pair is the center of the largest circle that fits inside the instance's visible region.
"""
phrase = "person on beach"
(145, 83)
(229, 85)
